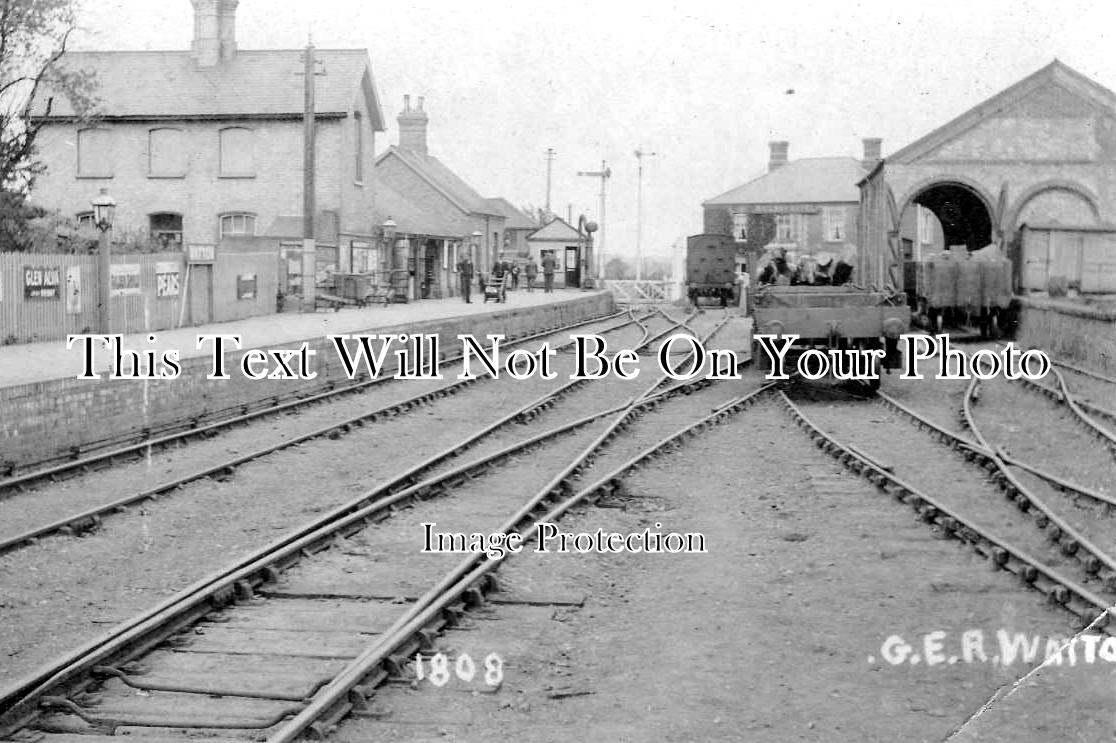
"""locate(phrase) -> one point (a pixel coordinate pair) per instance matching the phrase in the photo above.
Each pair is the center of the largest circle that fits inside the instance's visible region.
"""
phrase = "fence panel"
(46, 296)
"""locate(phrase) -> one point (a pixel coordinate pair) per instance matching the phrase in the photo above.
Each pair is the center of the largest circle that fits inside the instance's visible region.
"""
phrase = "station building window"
(834, 219)
(94, 151)
(166, 153)
(166, 230)
(740, 226)
(237, 224)
(237, 152)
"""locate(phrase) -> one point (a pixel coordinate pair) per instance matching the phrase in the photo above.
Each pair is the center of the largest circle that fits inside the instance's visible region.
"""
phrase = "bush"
(1057, 286)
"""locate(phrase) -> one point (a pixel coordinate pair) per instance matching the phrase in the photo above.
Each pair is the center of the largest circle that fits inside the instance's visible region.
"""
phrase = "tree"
(34, 35)
(618, 268)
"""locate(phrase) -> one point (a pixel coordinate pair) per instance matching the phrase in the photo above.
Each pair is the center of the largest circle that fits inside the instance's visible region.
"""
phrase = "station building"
(201, 145)
(813, 201)
(1033, 169)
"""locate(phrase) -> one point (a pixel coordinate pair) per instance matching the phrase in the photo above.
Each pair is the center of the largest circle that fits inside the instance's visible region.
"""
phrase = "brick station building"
(206, 144)
(1032, 168)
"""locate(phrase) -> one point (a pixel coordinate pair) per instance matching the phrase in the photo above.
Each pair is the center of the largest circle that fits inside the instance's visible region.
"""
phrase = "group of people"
(818, 269)
(505, 275)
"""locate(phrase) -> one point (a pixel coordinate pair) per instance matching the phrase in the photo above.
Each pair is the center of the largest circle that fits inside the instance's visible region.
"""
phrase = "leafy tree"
(34, 35)
(618, 268)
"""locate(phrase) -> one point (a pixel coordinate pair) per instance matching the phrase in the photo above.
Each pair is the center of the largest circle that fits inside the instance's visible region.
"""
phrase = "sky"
(703, 85)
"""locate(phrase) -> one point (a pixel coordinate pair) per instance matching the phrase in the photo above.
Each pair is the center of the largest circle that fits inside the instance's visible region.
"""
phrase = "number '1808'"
(464, 668)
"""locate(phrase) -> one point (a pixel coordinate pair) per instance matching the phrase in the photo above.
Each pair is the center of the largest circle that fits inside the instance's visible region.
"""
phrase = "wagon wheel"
(874, 379)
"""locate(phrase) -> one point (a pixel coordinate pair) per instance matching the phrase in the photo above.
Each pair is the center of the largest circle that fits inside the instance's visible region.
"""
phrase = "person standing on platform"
(465, 272)
(548, 273)
(531, 271)
(515, 276)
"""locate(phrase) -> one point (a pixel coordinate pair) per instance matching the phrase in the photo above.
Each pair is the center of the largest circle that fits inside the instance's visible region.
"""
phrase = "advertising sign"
(73, 290)
(167, 279)
(246, 286)
(41, 282)
(124, 279)
(200, 253)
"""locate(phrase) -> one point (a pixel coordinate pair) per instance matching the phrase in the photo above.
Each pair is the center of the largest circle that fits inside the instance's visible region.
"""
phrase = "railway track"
(89, 519)
(966, 491)
(107, 453)
(264, 568)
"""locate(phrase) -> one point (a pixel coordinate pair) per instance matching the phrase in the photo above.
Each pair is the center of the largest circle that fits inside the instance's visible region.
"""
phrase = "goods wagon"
(711, 269)
(824, 300)
(961, 288)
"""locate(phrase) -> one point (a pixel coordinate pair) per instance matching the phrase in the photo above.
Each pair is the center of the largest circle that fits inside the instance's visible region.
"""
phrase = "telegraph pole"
(604, 174)
(640, 154)
(550, 155)
(309, 248)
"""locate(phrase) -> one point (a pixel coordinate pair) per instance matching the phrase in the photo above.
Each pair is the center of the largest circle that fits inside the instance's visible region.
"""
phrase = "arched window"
(166, 153)
(94, 148)
(166, 230)
(238, 224)
(237, 152)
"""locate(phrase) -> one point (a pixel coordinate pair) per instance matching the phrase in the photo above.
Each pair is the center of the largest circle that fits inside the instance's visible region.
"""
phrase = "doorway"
(573, 266)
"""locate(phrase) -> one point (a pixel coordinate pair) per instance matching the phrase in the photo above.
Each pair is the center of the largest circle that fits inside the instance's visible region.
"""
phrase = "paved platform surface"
(33, 362)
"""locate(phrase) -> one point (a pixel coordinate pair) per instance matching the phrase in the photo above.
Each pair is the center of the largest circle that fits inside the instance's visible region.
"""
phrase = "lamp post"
(586, 228)
(604, 174)
(104, 212)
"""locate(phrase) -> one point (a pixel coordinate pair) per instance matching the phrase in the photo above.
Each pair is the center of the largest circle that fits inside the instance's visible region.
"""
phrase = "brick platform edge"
(44, 420)
(1071, 332)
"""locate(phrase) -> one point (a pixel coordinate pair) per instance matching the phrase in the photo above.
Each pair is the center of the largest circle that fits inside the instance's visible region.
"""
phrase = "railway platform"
(35, 362)
(46, 409)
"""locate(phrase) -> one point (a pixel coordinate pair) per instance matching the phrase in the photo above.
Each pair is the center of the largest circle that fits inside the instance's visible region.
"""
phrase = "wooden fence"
(46, 296)
(628, 291)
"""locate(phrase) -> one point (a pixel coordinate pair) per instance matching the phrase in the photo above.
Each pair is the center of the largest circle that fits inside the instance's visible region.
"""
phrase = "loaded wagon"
(962, 288)
(831, 309)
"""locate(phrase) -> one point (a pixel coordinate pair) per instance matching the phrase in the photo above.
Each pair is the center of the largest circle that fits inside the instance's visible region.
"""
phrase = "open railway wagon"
(961, 288)
(711, 270)
(825, 316)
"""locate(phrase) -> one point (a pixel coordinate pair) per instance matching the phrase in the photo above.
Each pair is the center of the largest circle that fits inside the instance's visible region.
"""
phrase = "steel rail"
(1080, 408)
(143, 632)
(1060, 532)
(91, 518)
(15, 482)
(1062, 590)
(956, 440)
(346, 690)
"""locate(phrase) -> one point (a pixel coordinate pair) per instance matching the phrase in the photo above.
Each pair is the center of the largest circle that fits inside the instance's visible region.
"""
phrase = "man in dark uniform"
(465, 274)
(548, 272)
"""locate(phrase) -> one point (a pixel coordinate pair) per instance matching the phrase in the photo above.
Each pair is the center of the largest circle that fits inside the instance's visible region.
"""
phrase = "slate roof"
(265, 83)
(515, 218)
(412, 218)
(444, 180)
(1057, 72)
(556, 230)
(809, 180)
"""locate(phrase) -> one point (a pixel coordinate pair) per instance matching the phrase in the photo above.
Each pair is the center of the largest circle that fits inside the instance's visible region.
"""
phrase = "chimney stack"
(778, 156)
(412, 126)
(872, 149)
(214, 31)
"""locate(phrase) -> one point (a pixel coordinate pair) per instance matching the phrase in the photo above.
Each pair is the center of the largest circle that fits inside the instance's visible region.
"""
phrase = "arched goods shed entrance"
(1031, 170)
(962, 215)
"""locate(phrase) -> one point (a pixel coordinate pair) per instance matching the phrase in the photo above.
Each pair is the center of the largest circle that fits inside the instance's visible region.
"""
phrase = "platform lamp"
(585, 230)
(104, 212)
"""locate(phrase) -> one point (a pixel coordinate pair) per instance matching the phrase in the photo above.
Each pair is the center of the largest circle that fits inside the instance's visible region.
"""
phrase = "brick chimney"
(412, 126)
(214, 31)
(778, 155)
(872, 148)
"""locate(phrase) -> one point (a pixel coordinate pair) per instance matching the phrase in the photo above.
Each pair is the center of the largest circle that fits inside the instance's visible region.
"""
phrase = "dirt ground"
(777, 633)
